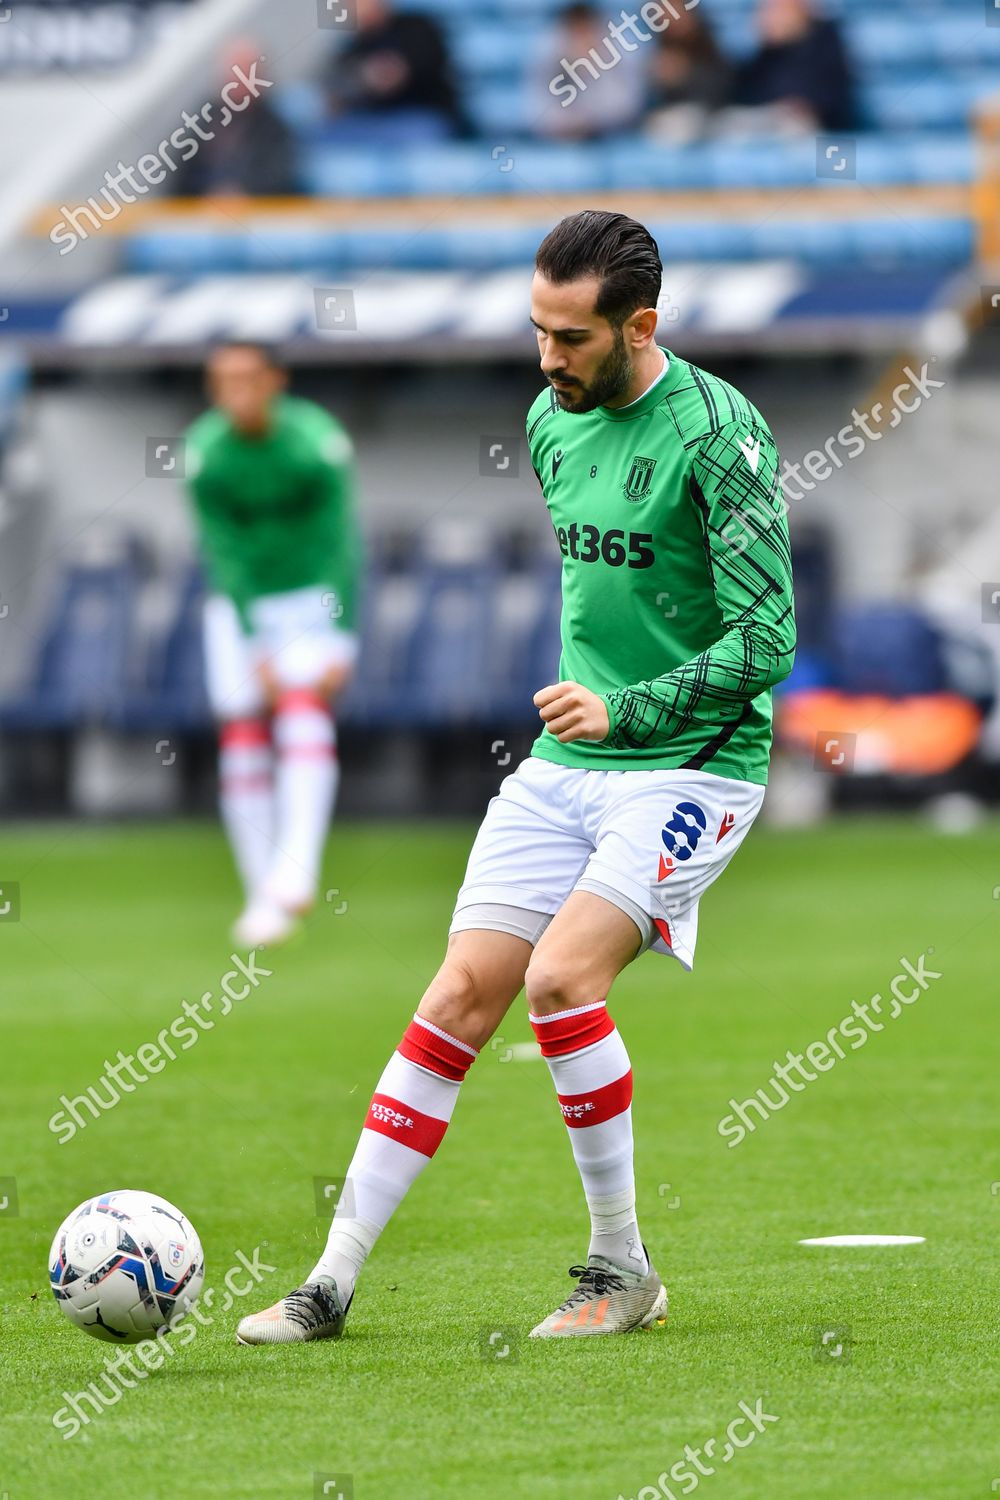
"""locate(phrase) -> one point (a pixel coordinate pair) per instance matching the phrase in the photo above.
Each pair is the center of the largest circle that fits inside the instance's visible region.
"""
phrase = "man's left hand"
(572, 712)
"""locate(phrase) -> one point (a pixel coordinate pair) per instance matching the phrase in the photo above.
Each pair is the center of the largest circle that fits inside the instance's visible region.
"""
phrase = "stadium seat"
(445, 683)
(80, 671)
(886, 42)
(886, 649)
(815, 592)
(169, 690)
(483, 48)
(543, 648)
(494, 243)
(447, 641)
(459, 575)
(391, 605)
(942, 101)
(523, 649)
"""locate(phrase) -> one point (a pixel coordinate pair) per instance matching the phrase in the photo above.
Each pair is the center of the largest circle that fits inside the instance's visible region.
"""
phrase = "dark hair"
(619, 250)
(697, 42)
(267, 352)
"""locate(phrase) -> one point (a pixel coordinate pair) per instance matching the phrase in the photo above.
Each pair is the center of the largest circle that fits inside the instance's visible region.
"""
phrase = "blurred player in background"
(663, 487)
(271, 478)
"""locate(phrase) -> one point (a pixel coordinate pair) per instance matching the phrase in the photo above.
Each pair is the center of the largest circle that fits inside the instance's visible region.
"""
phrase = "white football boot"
(263, 924)
(313, 1311)
(608, 1299)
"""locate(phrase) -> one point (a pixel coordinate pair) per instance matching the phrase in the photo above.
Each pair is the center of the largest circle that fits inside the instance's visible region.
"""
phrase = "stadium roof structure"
(778, 306)
(839, 265)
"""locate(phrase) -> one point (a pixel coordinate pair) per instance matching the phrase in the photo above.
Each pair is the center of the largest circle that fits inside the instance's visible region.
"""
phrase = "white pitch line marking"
(867, 1239)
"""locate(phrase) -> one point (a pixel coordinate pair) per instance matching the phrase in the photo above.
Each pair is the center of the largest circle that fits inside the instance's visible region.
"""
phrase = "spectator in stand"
(392, 83)
(600, 86)
(691, 79)
(799, 79)
(253, 156)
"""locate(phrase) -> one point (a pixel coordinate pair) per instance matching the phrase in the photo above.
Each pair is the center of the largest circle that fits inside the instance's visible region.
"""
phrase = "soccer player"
(662, 484)
(272, 482)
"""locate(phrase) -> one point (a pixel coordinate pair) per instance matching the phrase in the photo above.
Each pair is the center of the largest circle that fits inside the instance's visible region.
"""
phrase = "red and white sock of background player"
(593, 1077)
(246, 797)
(307, 774)
(406, 1122)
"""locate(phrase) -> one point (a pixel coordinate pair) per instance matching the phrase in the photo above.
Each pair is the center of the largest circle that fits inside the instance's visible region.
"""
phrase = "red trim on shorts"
(593, 1108)
(240, 733)
(560, 1034)
(437, 1054)
(663, 930)
(392, 1118)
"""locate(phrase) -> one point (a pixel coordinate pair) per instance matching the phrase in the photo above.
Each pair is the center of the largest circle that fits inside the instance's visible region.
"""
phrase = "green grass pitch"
(118, 926)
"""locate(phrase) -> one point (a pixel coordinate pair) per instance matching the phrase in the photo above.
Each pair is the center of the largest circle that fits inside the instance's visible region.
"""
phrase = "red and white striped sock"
(406, 1122)
(246, 797)
(593, 1077)
(306, 781)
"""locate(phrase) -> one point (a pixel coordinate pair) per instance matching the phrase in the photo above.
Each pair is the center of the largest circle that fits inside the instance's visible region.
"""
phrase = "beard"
(611, 379)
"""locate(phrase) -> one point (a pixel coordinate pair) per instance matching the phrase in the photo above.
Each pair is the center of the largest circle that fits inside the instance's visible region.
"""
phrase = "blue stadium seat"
(521, 653)
(80, 671)
(168, 691)
(887, 649)
(444, 682)
(541, 663)
(884, 43)
(458, 167)
(328, 171)
(302, 105)
(914, 153)
(916, 157)
(550, 168)
(392, 602)
(485, 48)
(810, 670)
(181, 248)
(923, 101)
(815, 592)
(492, 245)
(446, 642)
(500, 109)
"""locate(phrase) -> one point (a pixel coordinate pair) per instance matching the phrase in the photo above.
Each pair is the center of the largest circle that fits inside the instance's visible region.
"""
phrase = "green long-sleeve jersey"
(276, 512)
(676, 573)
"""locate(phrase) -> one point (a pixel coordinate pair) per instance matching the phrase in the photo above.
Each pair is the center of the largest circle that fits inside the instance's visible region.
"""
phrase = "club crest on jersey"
(640, 479)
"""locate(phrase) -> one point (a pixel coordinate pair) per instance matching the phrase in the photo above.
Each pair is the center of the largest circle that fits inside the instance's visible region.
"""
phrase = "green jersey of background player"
(271, 478)
(662, 483)
(273, 494)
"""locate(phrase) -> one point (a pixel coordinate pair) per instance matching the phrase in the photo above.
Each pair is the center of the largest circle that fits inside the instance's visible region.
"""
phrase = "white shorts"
(294, 633)
(648, 841)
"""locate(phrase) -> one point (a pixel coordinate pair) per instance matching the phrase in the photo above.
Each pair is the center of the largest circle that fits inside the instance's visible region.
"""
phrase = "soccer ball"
(124, 1264)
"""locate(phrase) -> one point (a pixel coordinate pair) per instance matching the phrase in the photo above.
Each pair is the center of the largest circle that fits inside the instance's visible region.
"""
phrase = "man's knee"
(554, 983)
(455, 1001)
